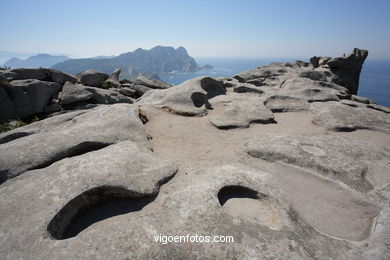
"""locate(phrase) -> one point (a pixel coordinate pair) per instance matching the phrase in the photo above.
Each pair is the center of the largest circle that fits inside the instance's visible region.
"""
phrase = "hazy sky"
(245, 28)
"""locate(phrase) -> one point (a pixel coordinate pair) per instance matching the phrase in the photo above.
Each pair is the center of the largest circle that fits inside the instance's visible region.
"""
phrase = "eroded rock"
(70, 134)
(328, 155)
(189, 98)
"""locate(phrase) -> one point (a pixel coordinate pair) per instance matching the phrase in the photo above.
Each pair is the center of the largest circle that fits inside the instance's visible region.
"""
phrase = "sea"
(374, 78)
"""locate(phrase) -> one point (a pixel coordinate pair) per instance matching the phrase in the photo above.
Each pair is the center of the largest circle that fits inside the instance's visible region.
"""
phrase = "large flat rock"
(43, 204)
(241, 113)
(232, 200)
(341, 117)
(335, 157)
(40, 144)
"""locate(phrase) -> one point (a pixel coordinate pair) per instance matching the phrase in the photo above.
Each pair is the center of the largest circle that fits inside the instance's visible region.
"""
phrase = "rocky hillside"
(40, 60)
(158, 60)
(284, 158)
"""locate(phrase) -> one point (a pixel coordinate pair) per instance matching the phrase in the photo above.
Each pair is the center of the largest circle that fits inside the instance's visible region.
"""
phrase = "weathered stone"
(221, 198)
(313, 75)
(241, 113)
(73, 93)
(189, 98)
(379, 108)
(361, 99)
(151, 83)
(128, 91)
(256, 82)
(68, 135)
(285, 104)
(92, 78)
(113, 80)
(31, 96)
(107, 96)
(52, 108)
(248, 89)
(58, 194)
(42, 74)
(140, 90)
(339, 117)
(61, 77)
(347, 69)
(31, 73)
(329, 155)
(7, 110)
(312, 91)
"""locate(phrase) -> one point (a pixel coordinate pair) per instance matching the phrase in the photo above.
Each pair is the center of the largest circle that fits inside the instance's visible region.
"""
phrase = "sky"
(212, 28)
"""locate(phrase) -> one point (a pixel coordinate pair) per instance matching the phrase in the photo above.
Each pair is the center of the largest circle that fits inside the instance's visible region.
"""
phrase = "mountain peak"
(159, 59)
(39, 60)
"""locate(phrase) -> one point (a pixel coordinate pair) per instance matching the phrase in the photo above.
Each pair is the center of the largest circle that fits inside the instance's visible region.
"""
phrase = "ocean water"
(374, 78)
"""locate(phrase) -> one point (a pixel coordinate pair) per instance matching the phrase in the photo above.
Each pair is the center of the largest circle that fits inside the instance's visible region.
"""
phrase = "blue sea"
(374, 79)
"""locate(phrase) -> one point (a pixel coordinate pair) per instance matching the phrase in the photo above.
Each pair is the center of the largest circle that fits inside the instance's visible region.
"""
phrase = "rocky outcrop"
(39, 74)
(345, 70)
(107, 96)
(70, 134)
(279, 103)
(284, 160)
(189, 98)
(326, 154)
(240, 114)
(92, 78)
(151, 83)
(31, 96)
(30, 92)
(113, 80)
(340, 117)
(72, 93)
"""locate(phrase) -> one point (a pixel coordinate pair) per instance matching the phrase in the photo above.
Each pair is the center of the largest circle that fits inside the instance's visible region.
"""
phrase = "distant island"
(160, 59)
(39, 60)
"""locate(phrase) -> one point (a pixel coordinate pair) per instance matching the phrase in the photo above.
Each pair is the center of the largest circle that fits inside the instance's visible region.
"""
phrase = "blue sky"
(213, 28)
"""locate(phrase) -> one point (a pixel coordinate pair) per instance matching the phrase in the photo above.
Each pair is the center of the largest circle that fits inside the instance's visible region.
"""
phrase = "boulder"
(151, 83)
(340, 117)
(31, 96)
(140, 90)
(278, 103)
(31, 73)
(113, 80)
(72, 93)
(128, 91)
(92, 78)
(42, 74)
(7, 110)
(247, 88)
(61, 77)
(69, 134)
(323, 153)
(241, 113)
(107, 96)
(189, 98)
